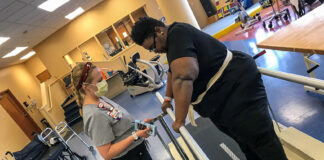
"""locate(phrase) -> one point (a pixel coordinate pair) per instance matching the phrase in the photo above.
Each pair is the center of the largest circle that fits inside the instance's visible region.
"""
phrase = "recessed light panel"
(52, 5)
(3, 40)
(28, 55)
(75, 13)
(14, 52)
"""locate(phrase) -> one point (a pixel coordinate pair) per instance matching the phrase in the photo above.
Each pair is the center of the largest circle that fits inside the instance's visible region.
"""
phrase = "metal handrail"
(185, 134)
(312, 82)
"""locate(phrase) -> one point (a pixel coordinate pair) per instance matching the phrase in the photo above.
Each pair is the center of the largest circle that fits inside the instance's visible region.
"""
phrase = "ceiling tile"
(3, 26)
(39, 31)
(11, 9)
(37, 3)
(27, 19)
(9, 29)
(21, 13)
(5, 3)
(41, 19)
(26, 1)
(19, 31)
(57, 23)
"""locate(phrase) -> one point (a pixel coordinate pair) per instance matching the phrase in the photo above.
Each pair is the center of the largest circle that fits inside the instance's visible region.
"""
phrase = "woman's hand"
(142, 133)
(147, 120)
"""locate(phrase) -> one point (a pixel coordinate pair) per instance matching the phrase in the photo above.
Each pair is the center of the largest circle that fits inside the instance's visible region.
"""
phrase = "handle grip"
(312, 69)
(259, 54)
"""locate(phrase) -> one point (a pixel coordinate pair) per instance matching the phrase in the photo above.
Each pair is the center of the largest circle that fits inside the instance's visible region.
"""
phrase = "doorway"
(18, 114)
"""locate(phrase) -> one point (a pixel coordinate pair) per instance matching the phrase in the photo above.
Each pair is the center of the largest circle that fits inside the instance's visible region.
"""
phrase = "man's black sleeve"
(180, 44)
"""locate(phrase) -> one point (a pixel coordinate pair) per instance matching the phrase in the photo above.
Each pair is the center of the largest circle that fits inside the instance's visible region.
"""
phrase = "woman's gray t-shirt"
(103, 129)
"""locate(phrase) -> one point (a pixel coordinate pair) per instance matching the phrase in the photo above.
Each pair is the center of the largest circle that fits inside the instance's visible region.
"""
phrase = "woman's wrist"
(135, 136)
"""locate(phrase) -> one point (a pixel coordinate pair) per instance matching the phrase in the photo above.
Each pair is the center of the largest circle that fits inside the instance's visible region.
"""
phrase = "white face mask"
(102, 88)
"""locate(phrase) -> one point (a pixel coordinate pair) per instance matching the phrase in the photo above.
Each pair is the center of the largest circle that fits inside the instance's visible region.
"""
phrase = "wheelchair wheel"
(270, 25)
(264, 25)
(259, 18)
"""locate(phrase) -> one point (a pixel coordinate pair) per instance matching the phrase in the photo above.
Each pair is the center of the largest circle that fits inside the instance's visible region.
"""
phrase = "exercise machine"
(247, 21)
(276, 15)
(139, 82)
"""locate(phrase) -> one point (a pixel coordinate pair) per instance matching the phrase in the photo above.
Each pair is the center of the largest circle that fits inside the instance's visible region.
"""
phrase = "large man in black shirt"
(226, 84)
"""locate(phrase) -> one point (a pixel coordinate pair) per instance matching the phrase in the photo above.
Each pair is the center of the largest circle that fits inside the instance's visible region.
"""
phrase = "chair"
(299, 6)
(276, 15)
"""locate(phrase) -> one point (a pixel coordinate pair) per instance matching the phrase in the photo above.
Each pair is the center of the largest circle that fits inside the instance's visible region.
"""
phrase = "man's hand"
(166, 105)
(176, 126)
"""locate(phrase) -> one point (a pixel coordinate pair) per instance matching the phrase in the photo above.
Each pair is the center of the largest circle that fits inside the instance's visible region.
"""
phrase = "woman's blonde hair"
(75, 78)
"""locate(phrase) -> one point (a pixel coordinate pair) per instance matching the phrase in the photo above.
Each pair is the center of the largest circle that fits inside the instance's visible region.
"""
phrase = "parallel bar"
(186, 136)
(165, 145)
(174, 140)
(313, 82)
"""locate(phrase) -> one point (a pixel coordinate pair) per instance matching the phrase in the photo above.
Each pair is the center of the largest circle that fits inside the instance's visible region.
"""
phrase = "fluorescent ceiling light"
(3, 39)
(75, 13)
(28, 55)
(52, 5)
(14, 52)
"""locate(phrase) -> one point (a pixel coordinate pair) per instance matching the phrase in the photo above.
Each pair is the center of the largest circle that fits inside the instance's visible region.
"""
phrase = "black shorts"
(140, 152)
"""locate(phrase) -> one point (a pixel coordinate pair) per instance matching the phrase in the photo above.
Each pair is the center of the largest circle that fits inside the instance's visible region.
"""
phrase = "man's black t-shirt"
(185, 40)
(239, 86)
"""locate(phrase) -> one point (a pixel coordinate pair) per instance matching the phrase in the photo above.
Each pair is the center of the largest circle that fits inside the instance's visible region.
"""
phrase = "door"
(18, 113)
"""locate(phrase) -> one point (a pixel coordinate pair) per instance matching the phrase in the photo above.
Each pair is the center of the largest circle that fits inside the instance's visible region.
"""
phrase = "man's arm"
(168, 93)
(185, 71)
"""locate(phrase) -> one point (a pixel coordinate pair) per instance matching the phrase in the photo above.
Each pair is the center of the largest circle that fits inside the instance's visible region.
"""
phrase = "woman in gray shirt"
(109, 125)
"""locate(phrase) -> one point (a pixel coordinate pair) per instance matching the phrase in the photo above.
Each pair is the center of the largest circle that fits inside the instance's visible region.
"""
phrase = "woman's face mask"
(102, 88)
